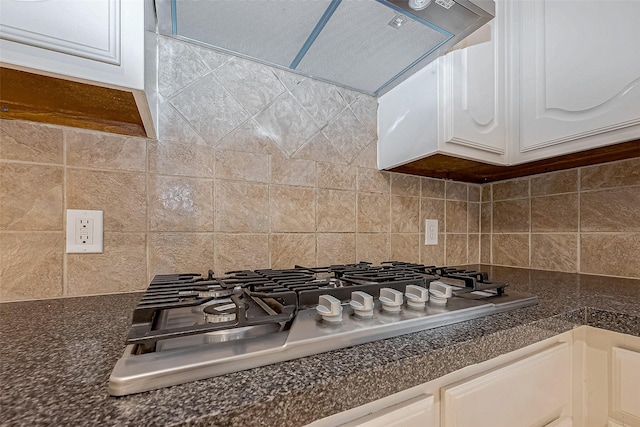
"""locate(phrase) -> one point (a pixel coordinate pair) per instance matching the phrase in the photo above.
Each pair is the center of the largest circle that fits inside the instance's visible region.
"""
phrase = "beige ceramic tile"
(171, 253)
(121, 195)
(338, 177)
(456, 249)
(432, 254)
(120, 268)
(287, 123)
(485, 217)
(30, 142)
(347, 135)
(512, 189)
(405, 214)
(210, 109)
(292, 209)
(293, 171)
(241, 252)
(30, 197)
(373, 181)
(30, 265)
(433, 188)
(474, 248)
(242, 166)
(321, 100)
(288, 250)
(368, 158)
(610, 254)
(555, 183)
(615, 174)
(366, 110)
(241, 207)
(405, 247)
(372, 247)
(474, 193)
(511, 216)
(180, 204)
(173, 127)
(319, 149)
(174, 158)
(511, 249)
(473, 217)
(554, 213)
(336, 248)
(373, 213)
(336, 211)
(405, 185)
(252, 84)
(557, 252)
(456, 191)
(486, 192)
(614, 209)
(485, 248)
(249, 138)
(456, 217)
(105, 151)
(432, 209)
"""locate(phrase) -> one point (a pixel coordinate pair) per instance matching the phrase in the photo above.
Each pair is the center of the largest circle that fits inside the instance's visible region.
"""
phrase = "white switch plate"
(431, 232)
(84, 231)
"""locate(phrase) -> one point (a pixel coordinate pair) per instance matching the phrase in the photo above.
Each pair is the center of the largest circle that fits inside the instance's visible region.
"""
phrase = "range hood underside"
(350, 43)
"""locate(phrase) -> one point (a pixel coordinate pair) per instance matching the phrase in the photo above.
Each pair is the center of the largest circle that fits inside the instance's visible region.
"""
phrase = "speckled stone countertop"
(56, 357)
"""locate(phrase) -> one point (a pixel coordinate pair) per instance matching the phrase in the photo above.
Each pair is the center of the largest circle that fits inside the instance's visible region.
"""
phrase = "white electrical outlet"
(84, 231)
(431, 232)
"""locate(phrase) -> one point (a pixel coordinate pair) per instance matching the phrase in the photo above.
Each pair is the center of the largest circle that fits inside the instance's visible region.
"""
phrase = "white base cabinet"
(532, 391)
(587, 377)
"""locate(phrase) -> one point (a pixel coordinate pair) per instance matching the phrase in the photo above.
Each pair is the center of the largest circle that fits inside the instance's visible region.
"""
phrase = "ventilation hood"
(366, 45)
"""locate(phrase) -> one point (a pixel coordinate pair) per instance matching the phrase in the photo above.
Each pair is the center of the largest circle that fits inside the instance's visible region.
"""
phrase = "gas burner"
(220, 312)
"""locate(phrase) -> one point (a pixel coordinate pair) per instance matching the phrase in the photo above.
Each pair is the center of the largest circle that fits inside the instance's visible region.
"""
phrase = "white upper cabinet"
(100, 42)
(544, 78)
(580, 75)
(473, 103)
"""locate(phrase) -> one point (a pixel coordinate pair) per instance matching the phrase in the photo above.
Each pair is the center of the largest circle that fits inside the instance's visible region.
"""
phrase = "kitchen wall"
(254, 167)
(580, 220)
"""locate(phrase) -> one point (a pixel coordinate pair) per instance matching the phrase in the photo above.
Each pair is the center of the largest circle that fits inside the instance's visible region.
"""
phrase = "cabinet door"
(625, 393)
(415, 412)
(473, 101)
(534, 391)
(89, 29)
(579, 75)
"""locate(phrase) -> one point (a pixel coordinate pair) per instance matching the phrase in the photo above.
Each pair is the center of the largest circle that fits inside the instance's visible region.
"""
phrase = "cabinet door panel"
(88, 29)
(578, 75)
(625, 396)
(474, 85)
(529, 392)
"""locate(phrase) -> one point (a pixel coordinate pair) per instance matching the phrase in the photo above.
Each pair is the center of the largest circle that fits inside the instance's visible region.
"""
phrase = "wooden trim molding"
(449, 167)
(46, 99)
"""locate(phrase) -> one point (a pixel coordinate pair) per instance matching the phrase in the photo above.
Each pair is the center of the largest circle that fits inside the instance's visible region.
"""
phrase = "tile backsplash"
(583, 220)
(254, 167)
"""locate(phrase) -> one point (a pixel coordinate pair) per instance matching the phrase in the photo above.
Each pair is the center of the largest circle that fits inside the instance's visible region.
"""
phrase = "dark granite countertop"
(56, 357)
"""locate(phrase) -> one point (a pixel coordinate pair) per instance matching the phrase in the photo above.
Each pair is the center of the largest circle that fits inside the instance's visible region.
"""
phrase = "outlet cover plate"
(431, 232)
(92, 245)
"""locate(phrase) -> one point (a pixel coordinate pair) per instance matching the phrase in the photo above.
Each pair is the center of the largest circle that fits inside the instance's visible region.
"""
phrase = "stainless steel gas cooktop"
(189, 327)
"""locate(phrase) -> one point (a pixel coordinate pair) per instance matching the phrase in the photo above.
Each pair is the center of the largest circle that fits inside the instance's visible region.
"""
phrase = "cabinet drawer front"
(529, 392)
(415, 412)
